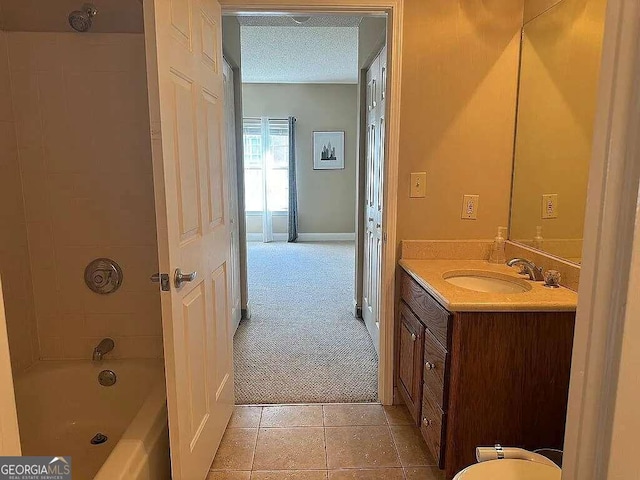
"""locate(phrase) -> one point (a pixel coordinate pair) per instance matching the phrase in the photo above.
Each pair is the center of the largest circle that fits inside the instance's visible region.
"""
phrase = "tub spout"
(104, 347)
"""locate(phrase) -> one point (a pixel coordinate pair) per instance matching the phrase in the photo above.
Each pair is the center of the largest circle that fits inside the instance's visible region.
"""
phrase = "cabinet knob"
(426, 422)
(413, 337)
(429, 366)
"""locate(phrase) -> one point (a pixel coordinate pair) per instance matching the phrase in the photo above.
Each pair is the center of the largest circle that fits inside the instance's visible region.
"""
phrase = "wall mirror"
(559, 68)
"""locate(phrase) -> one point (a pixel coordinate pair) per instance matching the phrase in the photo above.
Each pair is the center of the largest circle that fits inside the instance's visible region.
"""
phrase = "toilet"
(498, 463)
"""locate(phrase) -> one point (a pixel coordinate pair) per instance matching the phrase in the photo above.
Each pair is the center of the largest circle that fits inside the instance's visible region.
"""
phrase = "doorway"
(305, 340)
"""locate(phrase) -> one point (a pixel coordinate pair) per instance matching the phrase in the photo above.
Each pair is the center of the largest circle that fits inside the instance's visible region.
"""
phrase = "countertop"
(429, 274)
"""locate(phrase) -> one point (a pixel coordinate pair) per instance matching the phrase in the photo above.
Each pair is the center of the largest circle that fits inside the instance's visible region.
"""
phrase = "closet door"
(375, 147)
(232, 173)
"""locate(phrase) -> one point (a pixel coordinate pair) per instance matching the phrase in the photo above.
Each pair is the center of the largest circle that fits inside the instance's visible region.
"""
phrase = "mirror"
(559, 68)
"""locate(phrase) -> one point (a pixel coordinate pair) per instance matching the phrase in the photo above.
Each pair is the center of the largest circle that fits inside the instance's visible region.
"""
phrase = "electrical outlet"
(418, 185)
(470, 207)
(550, 205)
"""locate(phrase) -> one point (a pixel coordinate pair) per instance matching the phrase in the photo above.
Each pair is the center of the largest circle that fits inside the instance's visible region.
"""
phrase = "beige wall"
(460, 66)
(326, 198)
(14, 252)
(372, 33)
(231, 41)
(83, 140)
(561, 52)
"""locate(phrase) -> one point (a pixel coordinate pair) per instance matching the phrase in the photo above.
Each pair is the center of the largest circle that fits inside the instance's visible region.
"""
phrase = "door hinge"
(163, 280)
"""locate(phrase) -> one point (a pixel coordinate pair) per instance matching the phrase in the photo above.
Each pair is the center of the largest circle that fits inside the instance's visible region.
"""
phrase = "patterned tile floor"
(323, 442)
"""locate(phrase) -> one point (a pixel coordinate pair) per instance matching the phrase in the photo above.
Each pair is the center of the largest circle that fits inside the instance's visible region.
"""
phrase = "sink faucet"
(104, 347)
(534, 272)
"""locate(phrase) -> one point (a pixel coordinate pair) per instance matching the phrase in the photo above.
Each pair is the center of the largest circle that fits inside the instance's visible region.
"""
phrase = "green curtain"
(293, 189)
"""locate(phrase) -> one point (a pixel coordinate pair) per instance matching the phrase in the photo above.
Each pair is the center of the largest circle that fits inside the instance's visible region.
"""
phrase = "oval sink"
(484, 281)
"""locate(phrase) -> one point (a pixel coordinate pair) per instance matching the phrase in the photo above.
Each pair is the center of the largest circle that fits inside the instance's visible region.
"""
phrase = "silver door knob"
(413, 337)
(426, 422)
(179, 278)
(429, 366)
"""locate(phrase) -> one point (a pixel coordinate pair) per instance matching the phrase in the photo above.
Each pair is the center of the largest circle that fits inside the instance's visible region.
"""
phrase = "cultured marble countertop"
(429, 274)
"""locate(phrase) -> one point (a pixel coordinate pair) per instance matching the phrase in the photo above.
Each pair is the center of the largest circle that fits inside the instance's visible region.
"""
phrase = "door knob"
(179, 278)
(429, 366)
(413, 337)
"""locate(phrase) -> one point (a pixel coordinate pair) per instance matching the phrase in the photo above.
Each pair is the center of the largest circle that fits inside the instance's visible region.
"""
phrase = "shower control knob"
(179, 278)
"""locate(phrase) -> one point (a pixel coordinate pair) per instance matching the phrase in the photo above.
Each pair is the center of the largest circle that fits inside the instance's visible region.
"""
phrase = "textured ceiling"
(288, 54)
(51, 15)
(288, 21)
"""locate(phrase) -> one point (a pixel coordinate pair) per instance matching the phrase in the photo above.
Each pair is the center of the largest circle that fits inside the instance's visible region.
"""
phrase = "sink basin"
(485, 281)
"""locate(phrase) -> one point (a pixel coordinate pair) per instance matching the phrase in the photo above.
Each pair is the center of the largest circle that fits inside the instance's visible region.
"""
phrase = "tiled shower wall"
(82, 126)
(14, 254)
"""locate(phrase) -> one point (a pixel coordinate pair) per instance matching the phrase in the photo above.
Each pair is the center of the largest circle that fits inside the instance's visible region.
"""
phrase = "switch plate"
(418, 185)
(550, 205)
(470, 207)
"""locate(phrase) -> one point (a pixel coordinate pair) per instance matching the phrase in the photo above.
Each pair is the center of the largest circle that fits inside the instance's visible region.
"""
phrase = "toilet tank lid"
(509, 469)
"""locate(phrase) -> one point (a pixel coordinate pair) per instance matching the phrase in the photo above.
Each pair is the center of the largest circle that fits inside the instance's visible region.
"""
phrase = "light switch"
(418, 185)
(550, 205)
(470, 207)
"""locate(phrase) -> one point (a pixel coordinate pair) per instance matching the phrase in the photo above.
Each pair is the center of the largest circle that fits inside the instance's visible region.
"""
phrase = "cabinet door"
(410, 362)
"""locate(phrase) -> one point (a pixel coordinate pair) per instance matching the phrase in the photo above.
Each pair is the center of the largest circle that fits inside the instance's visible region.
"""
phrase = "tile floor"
(323, 442)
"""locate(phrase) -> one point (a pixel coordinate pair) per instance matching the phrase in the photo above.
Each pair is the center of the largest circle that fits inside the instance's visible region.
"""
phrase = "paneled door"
(186, 92)
(232, 171)
(9, 434)
(375, 151)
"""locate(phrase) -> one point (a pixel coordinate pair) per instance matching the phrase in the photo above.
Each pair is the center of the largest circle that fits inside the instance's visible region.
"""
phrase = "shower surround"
(81, 121)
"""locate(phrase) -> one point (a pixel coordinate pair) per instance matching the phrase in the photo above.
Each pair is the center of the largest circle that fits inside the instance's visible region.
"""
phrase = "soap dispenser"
(538, 240)
(497, 249)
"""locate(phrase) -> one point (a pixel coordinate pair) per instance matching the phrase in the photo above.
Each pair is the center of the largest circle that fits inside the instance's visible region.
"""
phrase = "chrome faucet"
(104, 347)
(534, 272)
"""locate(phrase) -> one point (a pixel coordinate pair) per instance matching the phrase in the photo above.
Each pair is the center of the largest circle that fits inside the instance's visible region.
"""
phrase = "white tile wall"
(85, 157)
(14, 254)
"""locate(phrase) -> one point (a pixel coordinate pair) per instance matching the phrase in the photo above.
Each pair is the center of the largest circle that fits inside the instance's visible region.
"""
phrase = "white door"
(186, 92)
(232, 170)
(375, 151)
(9, 434)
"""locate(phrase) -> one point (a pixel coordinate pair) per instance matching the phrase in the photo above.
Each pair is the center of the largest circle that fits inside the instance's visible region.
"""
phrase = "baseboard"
(306, 237)
(357, 310)
(326, 237)
(277, 237)
(246, 312)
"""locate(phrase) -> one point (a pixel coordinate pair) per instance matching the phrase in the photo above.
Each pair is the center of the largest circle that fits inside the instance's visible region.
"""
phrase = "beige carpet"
(302, 343)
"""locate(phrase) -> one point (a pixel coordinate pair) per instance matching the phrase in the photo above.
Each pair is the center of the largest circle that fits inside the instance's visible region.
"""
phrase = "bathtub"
(61, 407)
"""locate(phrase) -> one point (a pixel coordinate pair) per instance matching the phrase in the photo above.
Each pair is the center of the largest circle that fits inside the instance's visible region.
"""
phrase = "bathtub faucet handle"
(104, 347)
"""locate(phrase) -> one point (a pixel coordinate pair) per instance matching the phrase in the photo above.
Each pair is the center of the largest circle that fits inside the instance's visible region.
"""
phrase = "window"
(266, 164)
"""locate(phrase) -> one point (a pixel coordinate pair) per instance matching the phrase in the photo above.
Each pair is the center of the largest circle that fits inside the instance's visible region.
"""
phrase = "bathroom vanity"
(477, 368)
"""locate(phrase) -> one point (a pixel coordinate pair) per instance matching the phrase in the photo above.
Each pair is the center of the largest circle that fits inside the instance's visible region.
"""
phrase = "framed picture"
(328, 150)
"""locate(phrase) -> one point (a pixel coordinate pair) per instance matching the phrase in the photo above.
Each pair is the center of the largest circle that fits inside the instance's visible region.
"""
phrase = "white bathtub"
(61, 406)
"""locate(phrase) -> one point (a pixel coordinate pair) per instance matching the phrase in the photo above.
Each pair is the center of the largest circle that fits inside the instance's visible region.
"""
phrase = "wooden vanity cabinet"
(486, 377)
(410, 360)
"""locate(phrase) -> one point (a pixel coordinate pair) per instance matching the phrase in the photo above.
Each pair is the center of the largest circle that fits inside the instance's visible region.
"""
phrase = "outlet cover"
(470, 207)
(418, 185)
(550, 205)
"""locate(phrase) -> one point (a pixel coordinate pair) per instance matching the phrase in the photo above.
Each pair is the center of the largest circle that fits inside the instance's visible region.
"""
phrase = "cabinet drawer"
(435, 361)
(432, 426)
(425, 307)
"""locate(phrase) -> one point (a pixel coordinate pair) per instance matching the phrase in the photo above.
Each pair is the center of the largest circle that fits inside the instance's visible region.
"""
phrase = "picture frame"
(328, 150)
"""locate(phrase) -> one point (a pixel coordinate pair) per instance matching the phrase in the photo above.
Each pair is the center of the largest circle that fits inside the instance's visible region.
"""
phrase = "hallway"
(302, 343)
